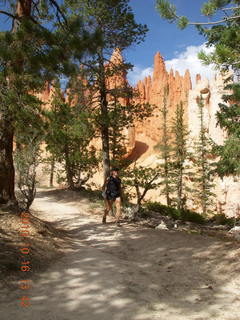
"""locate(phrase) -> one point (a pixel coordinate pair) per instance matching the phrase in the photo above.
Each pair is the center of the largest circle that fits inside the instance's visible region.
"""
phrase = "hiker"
(112, 192)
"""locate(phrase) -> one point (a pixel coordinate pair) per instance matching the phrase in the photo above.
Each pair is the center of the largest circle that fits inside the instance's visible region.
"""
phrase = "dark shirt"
(113, 185)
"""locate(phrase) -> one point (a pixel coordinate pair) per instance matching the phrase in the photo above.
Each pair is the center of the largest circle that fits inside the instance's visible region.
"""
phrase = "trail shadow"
(135, 274)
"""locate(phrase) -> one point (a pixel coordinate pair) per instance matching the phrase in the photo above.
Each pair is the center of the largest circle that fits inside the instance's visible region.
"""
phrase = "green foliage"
(70, 131)
(179, 156)
(114, 18)
(222, 33)
(222, 219)
(138, 180)
(184, 215)
(168, 11)
(115, 21)
(27, 158)
(165, 148)
(228, 119)
(120, 118)
(191, 216)
(182, 23)
(204, 167)
(173, 155)
(45, 42)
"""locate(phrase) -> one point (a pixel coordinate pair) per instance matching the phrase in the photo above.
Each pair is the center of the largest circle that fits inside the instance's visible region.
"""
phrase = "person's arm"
(121, 191)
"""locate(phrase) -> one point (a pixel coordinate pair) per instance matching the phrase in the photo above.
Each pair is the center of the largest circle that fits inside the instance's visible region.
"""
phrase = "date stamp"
(25, 264)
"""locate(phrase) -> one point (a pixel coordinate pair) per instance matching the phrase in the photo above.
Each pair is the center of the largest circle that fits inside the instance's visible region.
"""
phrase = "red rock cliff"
(151, 90)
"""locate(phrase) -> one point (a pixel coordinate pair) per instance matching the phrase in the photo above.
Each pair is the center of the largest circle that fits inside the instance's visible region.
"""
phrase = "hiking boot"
(104, 220)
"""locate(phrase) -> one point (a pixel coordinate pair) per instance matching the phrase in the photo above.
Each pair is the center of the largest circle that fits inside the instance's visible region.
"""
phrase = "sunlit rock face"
(227, 189)
(151, 90)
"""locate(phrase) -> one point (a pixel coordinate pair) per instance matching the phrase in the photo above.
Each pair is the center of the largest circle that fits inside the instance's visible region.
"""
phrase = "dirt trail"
(129, 273)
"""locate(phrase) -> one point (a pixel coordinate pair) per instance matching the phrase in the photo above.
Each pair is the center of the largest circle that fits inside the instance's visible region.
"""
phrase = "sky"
(179, 48)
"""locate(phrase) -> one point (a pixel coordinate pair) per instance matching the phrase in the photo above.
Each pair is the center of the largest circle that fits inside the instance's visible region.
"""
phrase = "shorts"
(112, 195)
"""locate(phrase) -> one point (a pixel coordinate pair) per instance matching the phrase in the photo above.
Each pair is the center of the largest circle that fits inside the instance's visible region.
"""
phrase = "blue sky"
(178, 47)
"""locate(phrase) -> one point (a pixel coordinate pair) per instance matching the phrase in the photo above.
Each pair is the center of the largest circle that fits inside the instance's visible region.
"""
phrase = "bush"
(27, 158)
(191, 216)
(222, 219)
(184, 215)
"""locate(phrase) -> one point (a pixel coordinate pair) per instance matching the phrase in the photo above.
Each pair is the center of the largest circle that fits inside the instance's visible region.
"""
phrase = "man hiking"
(112, 193)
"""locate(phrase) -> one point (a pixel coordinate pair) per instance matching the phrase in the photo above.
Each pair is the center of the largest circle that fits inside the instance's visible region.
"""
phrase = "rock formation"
(227, 189)
(151, 90)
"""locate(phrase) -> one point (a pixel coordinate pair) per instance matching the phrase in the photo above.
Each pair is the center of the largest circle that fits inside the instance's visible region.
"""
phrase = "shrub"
(191, 216)
(27, 158)
(222, 219)
(184, 215)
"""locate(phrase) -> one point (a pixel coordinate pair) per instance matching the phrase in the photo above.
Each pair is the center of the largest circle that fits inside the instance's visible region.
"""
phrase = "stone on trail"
(162, 226)
(235, 231)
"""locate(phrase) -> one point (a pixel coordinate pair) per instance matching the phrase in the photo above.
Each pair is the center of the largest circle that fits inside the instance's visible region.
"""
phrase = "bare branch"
(56, 5)
(232, 8)
(214, 22)
(9, 14)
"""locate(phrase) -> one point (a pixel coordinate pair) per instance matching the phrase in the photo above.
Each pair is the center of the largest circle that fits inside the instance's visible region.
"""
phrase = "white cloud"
(139, 73)
(187, 59)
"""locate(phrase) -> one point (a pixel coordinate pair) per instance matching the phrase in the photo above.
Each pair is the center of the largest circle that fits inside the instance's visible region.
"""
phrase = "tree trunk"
(104, 117)
(52, 172)
(167, 187)
(7, 172)
(179, 191)
(68, 170)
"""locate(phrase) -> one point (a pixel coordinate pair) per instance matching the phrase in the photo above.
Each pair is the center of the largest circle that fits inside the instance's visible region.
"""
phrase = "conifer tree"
(165, 150)
(228, 119)
(203, 166)
(179, 157)
(70, 132)
(42, 44)
(140, 180)
(121, 118)
(115, 21)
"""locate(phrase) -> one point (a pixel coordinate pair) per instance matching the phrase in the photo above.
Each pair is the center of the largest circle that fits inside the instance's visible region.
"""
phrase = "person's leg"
(107, 208)
(118, 209)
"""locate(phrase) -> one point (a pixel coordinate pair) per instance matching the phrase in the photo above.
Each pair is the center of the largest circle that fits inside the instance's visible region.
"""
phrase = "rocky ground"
(133, 272)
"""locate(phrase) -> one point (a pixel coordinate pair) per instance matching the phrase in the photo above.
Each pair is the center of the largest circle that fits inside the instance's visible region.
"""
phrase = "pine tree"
(165, 148)
(140, 180)
(43, 43)
(179, 157)
(121, 118)
(203, 166)
(70, 132)
(115, 21)
(228, 119)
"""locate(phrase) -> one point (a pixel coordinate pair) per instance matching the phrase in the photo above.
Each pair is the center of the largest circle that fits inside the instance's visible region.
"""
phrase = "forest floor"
(131, 272)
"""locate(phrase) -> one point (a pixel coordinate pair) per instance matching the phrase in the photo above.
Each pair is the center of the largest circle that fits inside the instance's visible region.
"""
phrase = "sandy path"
(130, 273)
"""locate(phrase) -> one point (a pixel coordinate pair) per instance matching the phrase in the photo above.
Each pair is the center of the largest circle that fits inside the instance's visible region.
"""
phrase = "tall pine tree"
(165, 148)
(179, 157)
(204, 166)
(115, 21)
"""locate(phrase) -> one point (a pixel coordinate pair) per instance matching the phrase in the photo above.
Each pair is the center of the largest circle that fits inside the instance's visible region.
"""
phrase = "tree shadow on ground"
(131, 273)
